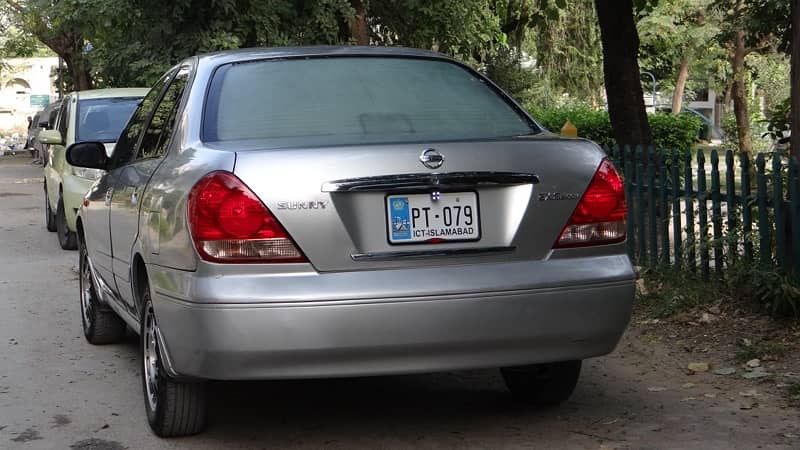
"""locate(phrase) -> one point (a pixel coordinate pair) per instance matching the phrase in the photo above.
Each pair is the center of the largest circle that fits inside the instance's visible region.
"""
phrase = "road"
(59, 392)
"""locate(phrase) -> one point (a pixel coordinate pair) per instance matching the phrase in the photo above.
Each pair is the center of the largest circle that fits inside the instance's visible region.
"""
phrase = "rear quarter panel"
(165, 239)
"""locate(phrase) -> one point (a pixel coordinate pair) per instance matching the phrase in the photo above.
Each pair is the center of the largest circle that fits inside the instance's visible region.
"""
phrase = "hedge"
(670, 132)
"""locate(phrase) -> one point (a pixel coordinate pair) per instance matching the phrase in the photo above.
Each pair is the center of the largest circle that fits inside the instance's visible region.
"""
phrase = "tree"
(795, 77)
(359, 28)
(569, 51)
(58, 25)
(469, 29)
(752, 26)
(680, 32)
(621, 72)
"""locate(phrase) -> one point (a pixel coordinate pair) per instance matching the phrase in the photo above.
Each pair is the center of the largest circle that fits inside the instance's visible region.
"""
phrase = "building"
(26, 86)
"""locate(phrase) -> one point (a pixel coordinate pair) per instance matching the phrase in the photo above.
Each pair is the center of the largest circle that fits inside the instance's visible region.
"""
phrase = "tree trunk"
(680, 86)
(739, 95)
(359, 29)
(77, 66)
(795, 77)
(621, 72)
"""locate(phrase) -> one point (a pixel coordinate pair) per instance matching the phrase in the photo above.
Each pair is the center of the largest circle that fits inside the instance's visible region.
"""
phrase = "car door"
(96, 214)
(56, 160)
(131, 179)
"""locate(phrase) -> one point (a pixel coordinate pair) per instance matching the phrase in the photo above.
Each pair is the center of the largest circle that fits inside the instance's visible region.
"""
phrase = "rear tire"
(543, 384)
(100, 324)
(66, 238)
(49, 217)
(173, 408)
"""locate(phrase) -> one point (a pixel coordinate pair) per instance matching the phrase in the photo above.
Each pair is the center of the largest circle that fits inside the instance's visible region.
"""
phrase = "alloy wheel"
(151, 358)
(87, 291)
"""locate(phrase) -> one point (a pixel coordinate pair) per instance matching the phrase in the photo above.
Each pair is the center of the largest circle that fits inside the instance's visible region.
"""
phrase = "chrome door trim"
(413, 181)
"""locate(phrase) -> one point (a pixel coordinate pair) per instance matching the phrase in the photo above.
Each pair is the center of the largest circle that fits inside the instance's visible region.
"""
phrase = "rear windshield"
(102, 119)
(355, 100)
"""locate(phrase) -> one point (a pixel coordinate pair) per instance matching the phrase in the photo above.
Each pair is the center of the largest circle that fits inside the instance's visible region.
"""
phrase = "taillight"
(600, 215)
(230, 224)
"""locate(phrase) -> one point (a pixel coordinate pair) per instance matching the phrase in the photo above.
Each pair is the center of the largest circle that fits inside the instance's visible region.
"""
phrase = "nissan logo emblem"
(431, 159)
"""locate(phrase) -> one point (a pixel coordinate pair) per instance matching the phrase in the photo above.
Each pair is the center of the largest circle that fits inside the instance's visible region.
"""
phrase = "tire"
(542, 384)
(100, 324)
(66, 238)
(174, 408)
(49, 217)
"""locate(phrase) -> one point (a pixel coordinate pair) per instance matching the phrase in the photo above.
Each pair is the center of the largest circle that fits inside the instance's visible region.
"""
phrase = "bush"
(775, 292)
(674, 132)
(669, 131)
(759, 130)
(593, 125)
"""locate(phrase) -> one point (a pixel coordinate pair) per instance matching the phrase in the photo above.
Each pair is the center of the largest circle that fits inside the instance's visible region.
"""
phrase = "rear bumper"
(377, 336)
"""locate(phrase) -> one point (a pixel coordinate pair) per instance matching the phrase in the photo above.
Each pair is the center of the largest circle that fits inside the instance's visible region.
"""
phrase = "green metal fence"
(705, 215)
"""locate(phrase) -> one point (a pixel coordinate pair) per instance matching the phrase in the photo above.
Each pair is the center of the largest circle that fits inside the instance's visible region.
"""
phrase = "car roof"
(52, 105)
(246, 54)
(111, 93)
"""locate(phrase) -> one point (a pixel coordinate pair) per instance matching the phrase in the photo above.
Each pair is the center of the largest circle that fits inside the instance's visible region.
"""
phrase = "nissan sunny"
(336, 212)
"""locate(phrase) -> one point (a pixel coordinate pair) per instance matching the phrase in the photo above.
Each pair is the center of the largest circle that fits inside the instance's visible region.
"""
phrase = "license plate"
(432, 218)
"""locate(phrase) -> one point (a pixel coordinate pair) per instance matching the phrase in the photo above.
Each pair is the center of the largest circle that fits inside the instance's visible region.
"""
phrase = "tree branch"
(15, 6)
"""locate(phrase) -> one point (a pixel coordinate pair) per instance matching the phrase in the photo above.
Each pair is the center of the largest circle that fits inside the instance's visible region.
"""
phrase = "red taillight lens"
(230, 224)
(600, 215)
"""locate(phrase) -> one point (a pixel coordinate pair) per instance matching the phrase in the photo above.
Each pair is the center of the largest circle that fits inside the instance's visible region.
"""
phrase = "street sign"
(39, 101)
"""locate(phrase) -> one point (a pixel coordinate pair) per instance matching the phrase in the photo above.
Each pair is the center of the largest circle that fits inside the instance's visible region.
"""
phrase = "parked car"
(42, 120)
(95, 115)
(335, 212)
(33, 127)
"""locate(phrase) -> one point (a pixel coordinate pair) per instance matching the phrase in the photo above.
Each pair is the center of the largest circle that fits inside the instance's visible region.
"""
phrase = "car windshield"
(102, 119)
(355, 100)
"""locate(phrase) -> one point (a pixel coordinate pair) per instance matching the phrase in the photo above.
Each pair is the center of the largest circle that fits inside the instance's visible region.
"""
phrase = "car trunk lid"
(337, 202)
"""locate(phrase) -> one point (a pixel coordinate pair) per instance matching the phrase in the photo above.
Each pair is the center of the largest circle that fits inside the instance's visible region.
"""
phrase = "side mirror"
(91, 155)
(51, 137)
(44, 125)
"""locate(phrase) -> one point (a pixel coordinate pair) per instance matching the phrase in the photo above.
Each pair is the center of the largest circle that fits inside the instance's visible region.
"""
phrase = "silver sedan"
(336, 212)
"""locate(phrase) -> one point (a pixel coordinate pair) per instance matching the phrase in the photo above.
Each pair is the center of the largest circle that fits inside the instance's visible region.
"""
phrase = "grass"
(669, 291)
(794, 390)
(760, 350)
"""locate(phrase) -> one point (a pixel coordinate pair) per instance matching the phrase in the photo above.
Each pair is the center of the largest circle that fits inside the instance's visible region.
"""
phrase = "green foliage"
(674, 31)
(780, 120)
(670, 132)
(591, 124)
(669, 291)
(794, 390)
(462, 28)
(760, 350)
(758, 129)
(777, 293)
(504, 69)
(674, 132)
(132, 43)
(770, 75)
(568, 50)
(767, 22)
(135, 42)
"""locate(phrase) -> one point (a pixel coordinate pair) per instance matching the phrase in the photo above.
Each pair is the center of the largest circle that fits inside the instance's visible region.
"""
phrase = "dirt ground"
(59, 392)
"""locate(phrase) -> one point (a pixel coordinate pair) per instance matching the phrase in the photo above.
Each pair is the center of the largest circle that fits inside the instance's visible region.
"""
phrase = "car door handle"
(109, 194)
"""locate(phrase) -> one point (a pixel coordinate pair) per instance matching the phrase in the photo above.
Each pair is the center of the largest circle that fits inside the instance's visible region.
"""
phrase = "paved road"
(59, 392)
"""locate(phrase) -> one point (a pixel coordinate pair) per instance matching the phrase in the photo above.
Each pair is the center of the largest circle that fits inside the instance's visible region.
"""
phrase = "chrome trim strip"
(412, 181)
(387, 256)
